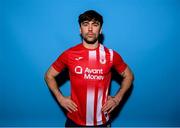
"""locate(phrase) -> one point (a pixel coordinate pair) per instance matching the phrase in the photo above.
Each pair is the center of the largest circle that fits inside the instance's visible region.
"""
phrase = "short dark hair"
(90, 15)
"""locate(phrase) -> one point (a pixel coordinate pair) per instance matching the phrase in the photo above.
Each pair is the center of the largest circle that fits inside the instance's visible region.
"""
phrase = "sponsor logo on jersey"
(78, 69)
(90, 73)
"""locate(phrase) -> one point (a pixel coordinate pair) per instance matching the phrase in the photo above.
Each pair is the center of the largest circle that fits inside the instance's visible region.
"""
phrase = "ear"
(80, 31)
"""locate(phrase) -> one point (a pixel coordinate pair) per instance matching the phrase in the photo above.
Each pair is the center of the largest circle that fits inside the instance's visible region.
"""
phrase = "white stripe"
(90, 107)
(102, 53)
(105, 113)
(92, 55)
(111, 55)
(99, 107)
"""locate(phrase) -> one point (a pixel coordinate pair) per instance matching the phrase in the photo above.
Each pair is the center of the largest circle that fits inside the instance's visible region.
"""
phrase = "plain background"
(35, 32)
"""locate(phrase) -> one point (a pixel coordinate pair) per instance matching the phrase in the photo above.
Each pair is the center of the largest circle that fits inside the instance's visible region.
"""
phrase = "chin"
(93, 41)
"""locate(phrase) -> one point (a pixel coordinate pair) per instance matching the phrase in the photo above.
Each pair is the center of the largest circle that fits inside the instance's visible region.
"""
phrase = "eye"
(96, 24)
(85, 24)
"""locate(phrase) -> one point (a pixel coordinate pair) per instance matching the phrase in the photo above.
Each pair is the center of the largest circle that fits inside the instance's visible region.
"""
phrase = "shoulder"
(76, 47)
(112, 52)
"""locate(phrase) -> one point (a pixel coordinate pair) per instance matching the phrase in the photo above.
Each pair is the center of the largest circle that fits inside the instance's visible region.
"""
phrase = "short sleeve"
(60, 62)
(118, 62)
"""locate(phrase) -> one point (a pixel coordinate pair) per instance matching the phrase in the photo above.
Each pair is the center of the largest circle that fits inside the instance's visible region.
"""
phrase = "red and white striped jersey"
(90, 76)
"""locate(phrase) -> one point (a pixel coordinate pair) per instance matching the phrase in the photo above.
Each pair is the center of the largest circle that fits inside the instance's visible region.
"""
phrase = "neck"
(90, 46)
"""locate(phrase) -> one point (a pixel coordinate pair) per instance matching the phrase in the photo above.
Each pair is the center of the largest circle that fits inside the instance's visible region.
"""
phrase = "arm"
(65, 102)
(125, 85)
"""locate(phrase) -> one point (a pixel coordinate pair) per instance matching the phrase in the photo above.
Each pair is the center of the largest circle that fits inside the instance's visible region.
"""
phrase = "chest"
(89, 62)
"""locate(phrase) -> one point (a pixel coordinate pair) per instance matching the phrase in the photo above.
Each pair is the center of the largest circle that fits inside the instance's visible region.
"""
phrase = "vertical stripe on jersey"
(111, 55)
(90, 93)
(92, 56)
(99, 107)
(102, 54)
(95, 104)
(106, 114)
(90, 107)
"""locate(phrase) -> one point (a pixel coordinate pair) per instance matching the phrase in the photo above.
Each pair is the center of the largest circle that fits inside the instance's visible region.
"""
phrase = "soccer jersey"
(90, 76)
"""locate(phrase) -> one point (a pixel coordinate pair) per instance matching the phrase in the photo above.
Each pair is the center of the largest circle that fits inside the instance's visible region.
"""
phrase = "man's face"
(90, 31)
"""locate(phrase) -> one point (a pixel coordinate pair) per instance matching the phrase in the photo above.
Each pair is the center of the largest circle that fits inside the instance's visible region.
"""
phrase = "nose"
(90, 27)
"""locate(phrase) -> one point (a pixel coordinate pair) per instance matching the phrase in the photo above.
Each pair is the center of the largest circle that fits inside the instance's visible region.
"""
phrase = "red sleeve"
(118, 63)
(60, 62)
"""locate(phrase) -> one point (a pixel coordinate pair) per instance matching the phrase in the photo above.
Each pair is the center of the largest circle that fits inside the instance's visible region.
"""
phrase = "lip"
(90, 34)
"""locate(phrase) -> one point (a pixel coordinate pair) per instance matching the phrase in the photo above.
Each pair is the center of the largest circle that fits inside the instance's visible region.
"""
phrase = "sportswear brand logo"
(79, 58)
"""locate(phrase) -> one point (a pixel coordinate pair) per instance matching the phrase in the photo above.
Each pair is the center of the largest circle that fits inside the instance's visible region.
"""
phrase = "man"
(89, 64)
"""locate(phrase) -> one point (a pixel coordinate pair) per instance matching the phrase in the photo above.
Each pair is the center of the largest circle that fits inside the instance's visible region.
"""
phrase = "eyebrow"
(94, 22)
(85, 22)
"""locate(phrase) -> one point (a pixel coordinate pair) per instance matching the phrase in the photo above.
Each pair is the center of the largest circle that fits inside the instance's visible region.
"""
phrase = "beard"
(89, 39)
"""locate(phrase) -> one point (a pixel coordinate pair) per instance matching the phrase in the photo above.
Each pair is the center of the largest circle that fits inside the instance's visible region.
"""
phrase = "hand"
(111, 103)
(68, 104)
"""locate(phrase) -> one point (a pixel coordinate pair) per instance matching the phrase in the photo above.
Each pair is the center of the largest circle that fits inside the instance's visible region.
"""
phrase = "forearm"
(52, 84)
(65, 102)
(125, 85)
